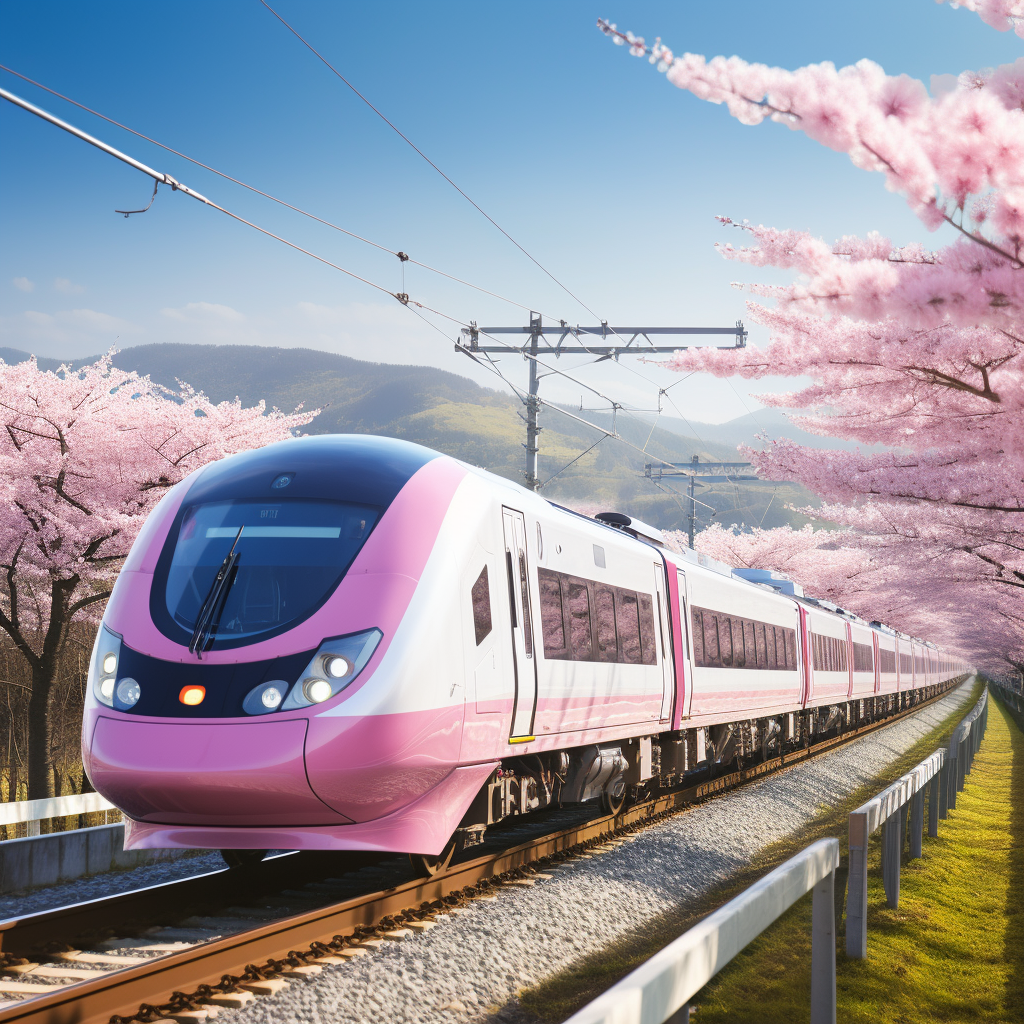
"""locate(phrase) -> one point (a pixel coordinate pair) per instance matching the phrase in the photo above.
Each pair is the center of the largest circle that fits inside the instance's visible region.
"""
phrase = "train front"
(262, 676)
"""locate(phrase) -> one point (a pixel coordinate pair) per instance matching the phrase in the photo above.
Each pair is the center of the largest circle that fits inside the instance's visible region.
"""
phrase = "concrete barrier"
(66, 856)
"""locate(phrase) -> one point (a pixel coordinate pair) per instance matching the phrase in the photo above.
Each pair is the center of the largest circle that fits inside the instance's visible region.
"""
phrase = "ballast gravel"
(473, 962)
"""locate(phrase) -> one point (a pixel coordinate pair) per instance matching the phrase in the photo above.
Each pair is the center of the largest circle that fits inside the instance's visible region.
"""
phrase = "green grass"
(786, 972)
(952, 951)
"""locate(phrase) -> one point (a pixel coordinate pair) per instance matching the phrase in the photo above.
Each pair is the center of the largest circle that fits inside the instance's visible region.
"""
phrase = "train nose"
(207, 774)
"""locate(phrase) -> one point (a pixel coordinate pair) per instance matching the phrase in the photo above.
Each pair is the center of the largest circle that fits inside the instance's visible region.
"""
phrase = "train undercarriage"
(626, 772)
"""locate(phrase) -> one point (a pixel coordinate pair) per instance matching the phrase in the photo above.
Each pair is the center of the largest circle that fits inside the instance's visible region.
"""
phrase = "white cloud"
(66, 287)
(66, 334)
(23, 284)
(200, 312)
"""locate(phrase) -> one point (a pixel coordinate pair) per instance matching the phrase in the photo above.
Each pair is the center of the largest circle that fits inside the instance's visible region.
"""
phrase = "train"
(350, 642)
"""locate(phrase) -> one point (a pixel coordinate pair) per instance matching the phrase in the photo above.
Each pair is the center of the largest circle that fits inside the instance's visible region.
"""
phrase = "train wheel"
(242, 858)
(426, 865)
(613, 804)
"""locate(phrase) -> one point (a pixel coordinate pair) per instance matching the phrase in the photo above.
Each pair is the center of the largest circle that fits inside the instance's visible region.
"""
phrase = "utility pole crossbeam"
(704, 472)
(604, 341)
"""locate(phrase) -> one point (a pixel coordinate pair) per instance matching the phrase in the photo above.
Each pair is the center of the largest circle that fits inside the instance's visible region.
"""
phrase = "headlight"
(316, 691)
(106, 654)
(127, 693)
(332, 668)
(265, 698)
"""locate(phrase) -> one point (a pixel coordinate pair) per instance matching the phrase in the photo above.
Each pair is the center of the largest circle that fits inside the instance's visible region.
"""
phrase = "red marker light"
(192, 695)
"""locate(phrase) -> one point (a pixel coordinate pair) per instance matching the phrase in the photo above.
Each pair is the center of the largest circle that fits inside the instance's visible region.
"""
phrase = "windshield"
(290, 556)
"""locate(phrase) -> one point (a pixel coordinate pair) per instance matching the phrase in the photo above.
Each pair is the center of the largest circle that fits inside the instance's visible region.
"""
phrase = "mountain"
(745, 430)
(453, 414)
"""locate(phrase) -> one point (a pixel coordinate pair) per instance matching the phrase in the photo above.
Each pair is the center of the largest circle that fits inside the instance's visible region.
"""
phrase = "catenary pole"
(560, 339)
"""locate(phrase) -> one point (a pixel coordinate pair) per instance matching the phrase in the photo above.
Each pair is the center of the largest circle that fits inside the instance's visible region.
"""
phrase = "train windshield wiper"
(206, 620)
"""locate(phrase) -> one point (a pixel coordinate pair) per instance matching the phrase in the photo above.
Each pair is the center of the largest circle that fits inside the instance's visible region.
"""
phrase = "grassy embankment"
(770, 981)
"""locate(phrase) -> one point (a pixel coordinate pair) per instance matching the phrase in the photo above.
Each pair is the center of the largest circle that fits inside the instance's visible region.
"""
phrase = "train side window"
(698, 638)
(773, 658)
(725, 639)
(604, 610)
(627, 619)
(791, 661)
(711, 649)
(480, 595)
(759, 649)
(739, 646)
(579, 620)
(551, 620)
(749, 643)
(648, 643)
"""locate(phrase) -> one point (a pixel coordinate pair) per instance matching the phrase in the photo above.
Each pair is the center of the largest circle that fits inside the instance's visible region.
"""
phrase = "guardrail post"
(857, 889)
(823, 951)
(943, 791)
(32, 827)
(933, 804)
(961, 767)
(891, 860)
(681, 1016)
(954, 771)
(916, 823)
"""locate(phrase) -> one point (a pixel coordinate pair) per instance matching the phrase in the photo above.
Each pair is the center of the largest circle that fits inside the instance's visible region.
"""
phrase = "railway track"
(230, 936)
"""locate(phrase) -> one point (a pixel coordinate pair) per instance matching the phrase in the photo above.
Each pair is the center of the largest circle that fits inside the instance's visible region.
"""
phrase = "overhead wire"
(615, 406)
(461, 192)
(409, 141)
(403, 257)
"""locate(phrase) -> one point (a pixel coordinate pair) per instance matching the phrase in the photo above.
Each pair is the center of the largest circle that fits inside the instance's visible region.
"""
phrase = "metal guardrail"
(660, 989)
(946, 771)
(35, 811)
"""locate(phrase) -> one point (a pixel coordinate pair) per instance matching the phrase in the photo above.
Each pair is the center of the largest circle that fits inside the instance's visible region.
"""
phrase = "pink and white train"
(354, 643)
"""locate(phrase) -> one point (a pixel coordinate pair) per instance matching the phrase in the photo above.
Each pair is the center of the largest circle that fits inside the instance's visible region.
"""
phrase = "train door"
(664, 641)
(524, 661)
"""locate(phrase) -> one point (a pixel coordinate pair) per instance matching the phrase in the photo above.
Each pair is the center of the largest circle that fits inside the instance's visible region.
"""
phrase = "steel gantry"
(557, 340)
(696, 472)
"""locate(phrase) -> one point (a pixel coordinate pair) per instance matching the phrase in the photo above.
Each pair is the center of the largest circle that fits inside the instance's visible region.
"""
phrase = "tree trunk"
(40, 778)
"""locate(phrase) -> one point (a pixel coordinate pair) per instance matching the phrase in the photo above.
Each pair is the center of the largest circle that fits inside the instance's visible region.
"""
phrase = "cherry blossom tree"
(912, 348)
(85, 455)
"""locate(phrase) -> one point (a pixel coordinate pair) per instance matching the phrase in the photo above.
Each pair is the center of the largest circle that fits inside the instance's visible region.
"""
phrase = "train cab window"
(627, 620)
(481, 598)
(579, 620)
(698, 637)
(551, 621)
(289, 555)
(648, 643)
(604, 611)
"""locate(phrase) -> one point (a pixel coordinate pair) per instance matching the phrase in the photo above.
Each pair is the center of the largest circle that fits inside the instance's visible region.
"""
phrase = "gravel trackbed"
(477, 960)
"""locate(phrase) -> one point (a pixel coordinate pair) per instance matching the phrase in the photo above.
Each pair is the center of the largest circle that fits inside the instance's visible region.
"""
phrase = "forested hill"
(453, 414)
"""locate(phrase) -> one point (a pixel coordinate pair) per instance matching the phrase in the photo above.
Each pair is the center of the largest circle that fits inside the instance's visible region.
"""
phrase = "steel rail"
(124, 991)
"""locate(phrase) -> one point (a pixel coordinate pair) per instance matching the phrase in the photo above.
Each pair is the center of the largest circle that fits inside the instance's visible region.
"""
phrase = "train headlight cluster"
(106, 654)
(334, 666)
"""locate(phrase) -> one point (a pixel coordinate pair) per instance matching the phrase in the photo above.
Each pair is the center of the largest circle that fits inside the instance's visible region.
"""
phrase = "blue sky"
(610, 177)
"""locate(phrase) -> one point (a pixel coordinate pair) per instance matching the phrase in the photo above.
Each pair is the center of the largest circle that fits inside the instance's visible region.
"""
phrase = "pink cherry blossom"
(85, 455)
(912, 351)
